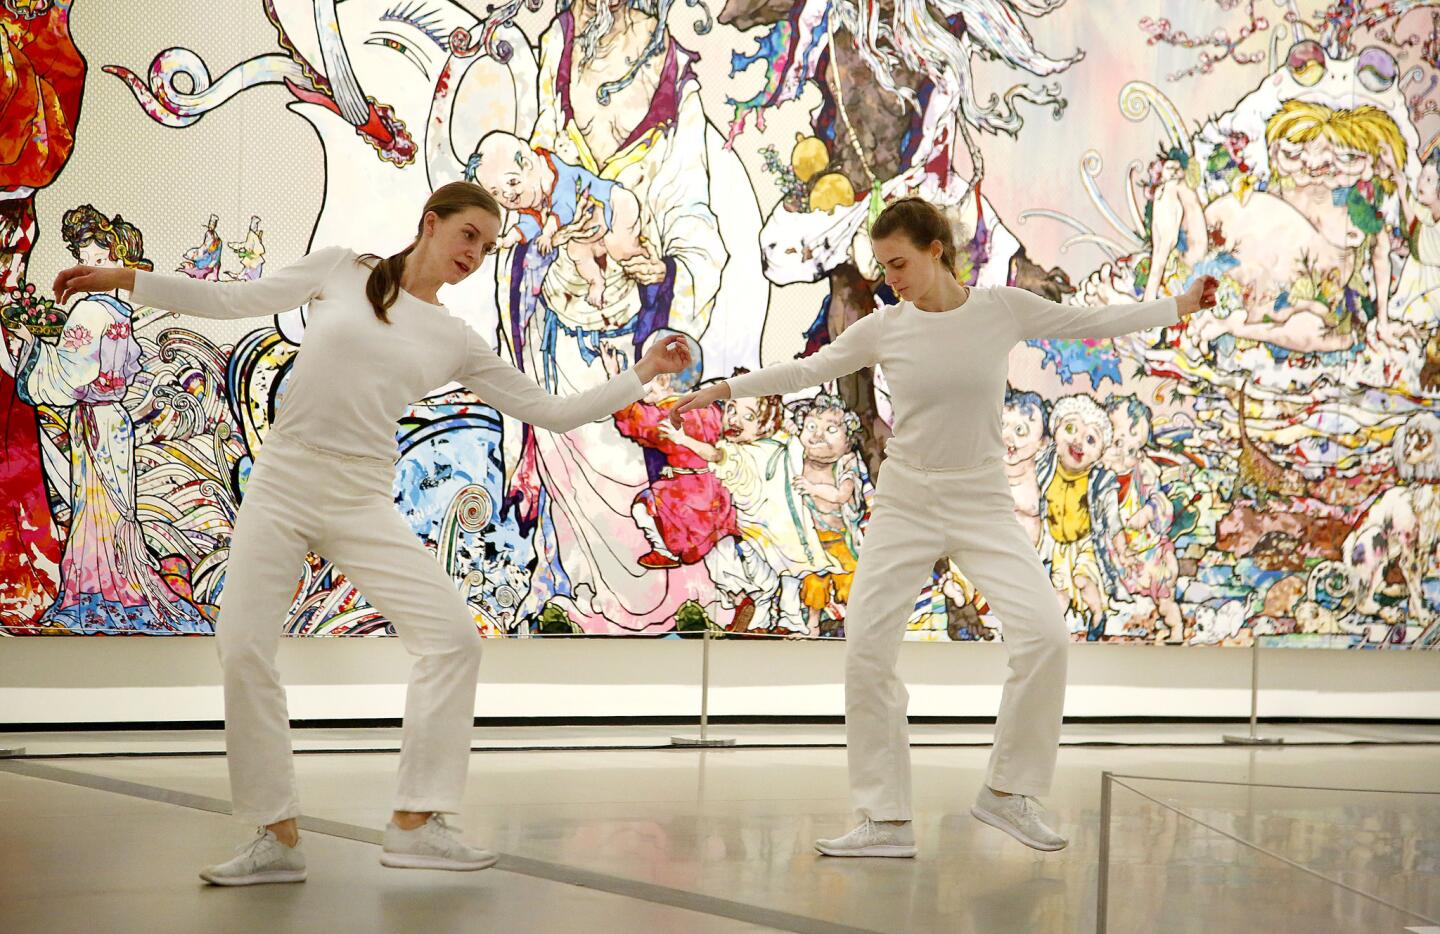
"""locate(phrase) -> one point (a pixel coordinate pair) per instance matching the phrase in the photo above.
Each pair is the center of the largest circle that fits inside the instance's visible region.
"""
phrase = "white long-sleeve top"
(355, 375)
(946, 370)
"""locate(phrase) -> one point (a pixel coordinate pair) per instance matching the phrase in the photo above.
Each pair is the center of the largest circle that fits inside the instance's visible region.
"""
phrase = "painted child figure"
(831, 485)
(548, 194)
(1081, 512)
(1024, 430)
(686, 510)
(757, 460)
(1417, 294)
(1147, 556)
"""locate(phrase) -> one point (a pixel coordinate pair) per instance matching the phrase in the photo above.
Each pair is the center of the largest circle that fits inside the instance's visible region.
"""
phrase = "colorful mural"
(1267, 470)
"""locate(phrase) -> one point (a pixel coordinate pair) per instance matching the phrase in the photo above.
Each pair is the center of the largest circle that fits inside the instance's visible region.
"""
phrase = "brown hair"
(82, 226)
(383, 286)
(769, 410)
(922, 224)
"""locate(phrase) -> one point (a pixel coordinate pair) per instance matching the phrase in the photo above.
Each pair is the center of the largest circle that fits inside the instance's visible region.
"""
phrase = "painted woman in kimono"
(109, 580)
(632, 115)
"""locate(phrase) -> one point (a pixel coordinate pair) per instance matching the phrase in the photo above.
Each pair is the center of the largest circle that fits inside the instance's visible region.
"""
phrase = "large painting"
(1268, 470)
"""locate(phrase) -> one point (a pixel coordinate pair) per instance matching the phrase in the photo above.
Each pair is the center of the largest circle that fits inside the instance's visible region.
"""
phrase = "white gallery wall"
(166, 680)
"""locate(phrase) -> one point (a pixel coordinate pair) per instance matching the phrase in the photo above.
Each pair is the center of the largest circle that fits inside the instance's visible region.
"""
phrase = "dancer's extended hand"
(91, 279)
(670, 355)
(1201, 294)
(693, 400)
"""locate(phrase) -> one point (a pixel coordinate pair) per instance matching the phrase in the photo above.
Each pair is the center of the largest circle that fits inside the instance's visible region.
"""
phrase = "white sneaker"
(432, 845)
(872, 838)
(263, 859)
(1018, 815)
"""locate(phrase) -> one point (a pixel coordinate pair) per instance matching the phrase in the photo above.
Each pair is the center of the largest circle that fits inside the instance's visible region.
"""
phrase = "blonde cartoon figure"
(1299, 251)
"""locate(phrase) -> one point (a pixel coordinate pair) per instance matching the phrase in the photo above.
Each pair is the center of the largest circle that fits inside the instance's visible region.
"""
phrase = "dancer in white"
(943, 492)
(377, 339)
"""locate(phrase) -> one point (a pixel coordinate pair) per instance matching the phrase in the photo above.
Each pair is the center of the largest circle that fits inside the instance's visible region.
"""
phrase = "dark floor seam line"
(1355, 729)
(521, 865)
(114, 785)
(378, 750)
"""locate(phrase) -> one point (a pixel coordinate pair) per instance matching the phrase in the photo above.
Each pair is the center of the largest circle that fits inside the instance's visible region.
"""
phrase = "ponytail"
(383, 286)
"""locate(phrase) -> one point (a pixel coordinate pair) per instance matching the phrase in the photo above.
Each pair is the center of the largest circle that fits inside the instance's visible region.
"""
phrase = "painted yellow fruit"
(809, 157)
(831, 191)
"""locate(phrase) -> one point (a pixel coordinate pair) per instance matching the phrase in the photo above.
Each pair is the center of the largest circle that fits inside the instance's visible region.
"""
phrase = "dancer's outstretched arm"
(290, 287)
(1038, 318)
(856, 347)
(500, 384)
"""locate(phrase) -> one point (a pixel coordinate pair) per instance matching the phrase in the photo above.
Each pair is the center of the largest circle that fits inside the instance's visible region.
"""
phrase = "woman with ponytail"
(943, 492)
(377, 338)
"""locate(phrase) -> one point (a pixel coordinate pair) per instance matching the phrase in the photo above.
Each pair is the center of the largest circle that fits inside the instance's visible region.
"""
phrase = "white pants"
(920, 516)
(302, 499)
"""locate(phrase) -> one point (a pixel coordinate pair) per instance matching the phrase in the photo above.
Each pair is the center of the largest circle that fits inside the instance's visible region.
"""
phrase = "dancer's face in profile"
(459, 243)
(909, 270)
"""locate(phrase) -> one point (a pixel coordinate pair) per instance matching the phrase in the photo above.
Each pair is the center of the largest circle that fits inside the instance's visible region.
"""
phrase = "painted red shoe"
(744, 612)
(656, 561)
